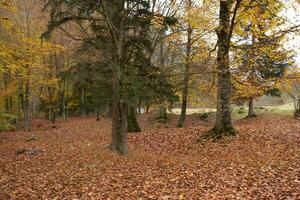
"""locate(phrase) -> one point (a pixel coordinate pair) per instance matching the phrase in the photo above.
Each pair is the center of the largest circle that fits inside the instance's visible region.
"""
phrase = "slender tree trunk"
(5, 79)
(64, 107)
(11, 103)
(140, 106)
(33, 114)
(223, 124)
(26, 107)
(297, 108)
(147, 108)
(186, 73)
(66, 102)
(109, 111)
(83, 111)
(98, 112)
(251, 111)
(18, 106)
(52, 110)
(132, 123)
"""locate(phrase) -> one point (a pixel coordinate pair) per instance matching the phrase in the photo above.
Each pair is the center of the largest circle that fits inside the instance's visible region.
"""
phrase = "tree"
(223, 124)
(122, 27)
(290, 84)
(24, 64)
(262, 63)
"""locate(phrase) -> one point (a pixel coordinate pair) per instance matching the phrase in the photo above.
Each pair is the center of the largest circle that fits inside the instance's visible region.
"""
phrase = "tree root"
(251, 116)
(216, 134)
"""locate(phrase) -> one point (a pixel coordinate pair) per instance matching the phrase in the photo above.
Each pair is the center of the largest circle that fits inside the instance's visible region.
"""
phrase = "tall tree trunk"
(251, 111)
(186, 72)
(5, 79)
(26, 107)
(98, 112)
(223, 124)
(147, 108)
(140, 106)
(18, 106)
(297, 108)
(64, 107)
(115, 11)
(52, 110)
(162, 114)
(83, 111)
(11, 103)
(132, 123)
(119, 114)
(66, 102)
(109, 111)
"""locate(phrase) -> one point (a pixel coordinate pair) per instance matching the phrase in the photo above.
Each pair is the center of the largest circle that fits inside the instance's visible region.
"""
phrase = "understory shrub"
(7, 122)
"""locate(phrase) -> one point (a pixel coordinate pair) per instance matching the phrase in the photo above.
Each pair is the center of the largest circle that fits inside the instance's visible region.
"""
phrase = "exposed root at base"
(216, 134)
(251, 116)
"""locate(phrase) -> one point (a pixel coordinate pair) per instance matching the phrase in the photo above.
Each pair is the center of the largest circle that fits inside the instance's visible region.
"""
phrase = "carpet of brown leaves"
(71, 161)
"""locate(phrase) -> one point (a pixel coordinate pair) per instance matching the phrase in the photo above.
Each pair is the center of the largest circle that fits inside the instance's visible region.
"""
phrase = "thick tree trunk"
(119, 114)
(132, 123)
(223, 124)
(186, 73)
(115, 11)
(162, 114)
(251, 111)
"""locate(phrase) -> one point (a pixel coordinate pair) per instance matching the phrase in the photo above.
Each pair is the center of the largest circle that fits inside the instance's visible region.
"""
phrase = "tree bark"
(83, 111)
(64, 107)
(5, 79)
(186, 72)
(119, 114)
(140, 106)
(97, 112)
(115, 10)
(251, 111)
(26, 107)
(223, 124)
(297, 108)
(109, 111)
(52, 111)
(132, 123)
(162, 114)
(66, 102)
(18, 105)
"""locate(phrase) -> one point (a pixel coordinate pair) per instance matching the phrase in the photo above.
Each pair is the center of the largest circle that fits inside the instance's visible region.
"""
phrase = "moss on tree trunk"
(223, 125)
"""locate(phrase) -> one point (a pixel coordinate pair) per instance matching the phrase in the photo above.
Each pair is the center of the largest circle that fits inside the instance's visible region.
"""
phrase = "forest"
(149, 99)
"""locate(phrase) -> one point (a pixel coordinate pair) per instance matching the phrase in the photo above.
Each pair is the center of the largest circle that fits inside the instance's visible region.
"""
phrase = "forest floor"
(71, 161)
